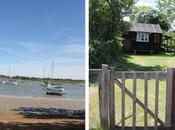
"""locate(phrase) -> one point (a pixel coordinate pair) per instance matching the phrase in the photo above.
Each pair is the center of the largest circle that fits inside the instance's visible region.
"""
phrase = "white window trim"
(142, 37)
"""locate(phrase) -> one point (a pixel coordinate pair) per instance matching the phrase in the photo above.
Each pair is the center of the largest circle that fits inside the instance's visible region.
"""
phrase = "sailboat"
(10, 80)
(51, 88)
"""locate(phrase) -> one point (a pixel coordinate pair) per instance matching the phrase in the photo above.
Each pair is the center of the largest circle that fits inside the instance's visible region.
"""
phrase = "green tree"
(167, 7)
(136, 11)
(106, 26)
(148, 15)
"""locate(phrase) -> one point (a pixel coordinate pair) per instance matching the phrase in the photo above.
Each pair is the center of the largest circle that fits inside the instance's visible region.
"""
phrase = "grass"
(161, 60)
(134, 62)
(144, 62)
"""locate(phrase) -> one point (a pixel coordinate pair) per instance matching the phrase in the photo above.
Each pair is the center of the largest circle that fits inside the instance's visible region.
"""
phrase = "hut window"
(142, 37)
(156, 38)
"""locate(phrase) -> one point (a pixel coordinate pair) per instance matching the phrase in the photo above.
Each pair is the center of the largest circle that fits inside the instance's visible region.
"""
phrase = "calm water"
(72, 90)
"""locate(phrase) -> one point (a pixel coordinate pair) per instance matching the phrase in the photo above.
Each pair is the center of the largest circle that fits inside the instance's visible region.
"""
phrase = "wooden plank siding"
(130, 39)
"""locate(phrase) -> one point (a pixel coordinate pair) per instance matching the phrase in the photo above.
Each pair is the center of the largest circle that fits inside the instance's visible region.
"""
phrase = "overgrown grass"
(134, 62)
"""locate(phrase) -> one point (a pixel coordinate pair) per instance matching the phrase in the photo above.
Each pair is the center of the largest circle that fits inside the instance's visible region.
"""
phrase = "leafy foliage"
(106, 27)
(167, 7)
(143, 14)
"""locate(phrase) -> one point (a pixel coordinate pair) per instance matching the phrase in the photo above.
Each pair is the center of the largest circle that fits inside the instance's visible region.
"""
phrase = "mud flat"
(11, 119)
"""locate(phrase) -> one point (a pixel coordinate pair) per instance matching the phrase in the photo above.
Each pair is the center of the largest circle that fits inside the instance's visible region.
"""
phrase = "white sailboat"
(51, 88)
(10, 80)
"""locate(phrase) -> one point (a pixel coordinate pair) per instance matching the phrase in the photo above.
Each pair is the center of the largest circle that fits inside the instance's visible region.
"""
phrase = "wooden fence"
(108, 77)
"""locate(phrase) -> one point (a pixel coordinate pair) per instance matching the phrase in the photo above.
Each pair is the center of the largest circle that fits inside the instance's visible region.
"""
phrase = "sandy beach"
(12, 119)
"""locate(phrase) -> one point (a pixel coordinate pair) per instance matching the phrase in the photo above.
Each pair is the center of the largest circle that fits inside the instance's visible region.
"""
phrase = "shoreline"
(42, 98)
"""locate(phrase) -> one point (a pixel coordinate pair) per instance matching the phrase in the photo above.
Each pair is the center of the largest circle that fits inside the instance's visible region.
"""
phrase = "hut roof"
(143, 27)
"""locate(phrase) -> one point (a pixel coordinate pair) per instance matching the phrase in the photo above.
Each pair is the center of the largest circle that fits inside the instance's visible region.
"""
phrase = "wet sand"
(10, 119)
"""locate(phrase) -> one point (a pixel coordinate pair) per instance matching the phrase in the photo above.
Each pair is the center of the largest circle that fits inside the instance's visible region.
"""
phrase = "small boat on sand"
(54, 90)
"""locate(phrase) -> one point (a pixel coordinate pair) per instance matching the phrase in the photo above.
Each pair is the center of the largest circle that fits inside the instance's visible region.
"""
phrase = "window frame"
(142, 37)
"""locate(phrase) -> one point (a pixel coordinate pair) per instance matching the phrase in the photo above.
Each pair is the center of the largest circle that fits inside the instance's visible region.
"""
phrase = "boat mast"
(9, 71)
(52, 76)
(44, 71)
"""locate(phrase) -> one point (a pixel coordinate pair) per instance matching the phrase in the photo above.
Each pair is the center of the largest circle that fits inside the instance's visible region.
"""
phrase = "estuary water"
(35, 89)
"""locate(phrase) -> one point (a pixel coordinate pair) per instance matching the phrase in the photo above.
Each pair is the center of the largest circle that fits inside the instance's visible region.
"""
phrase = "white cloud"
(72, 47)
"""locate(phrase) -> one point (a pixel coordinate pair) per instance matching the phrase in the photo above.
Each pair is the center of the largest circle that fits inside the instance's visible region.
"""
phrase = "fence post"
(170, 98)
(112, 100)
(104, 97)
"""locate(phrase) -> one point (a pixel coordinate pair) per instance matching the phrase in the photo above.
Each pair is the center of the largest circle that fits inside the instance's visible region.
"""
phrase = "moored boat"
(52, 88)
(55, 90)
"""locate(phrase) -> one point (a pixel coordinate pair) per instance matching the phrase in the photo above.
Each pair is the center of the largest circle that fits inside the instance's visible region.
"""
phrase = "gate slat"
(169, 96)
(112, 99)
(139, 103)
(145, 100)
(100, 96)
(134, 101)
(123, 101)
(156, 101)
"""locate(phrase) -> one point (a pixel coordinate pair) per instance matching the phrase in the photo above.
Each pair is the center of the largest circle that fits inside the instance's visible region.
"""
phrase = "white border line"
(87, 63)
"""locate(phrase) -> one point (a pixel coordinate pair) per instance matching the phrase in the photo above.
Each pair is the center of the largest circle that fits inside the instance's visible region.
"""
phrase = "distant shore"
(43, 79)
(9, 115)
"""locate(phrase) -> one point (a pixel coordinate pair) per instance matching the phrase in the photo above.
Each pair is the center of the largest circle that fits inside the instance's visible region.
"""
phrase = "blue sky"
(33, 33)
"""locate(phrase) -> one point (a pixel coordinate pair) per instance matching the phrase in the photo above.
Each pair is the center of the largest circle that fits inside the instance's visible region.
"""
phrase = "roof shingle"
(142, 27)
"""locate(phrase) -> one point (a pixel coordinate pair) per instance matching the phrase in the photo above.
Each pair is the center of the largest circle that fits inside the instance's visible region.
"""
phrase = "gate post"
(104, 83)
(112, 100)
(170, 98)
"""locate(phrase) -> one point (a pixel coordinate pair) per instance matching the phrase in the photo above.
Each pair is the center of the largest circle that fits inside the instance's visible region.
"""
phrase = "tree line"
(43, 79)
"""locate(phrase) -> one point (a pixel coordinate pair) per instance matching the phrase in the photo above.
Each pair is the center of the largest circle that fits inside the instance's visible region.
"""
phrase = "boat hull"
(53, 91)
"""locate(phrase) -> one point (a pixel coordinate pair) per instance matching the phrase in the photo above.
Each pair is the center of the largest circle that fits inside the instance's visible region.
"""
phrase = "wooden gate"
(108, 77)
